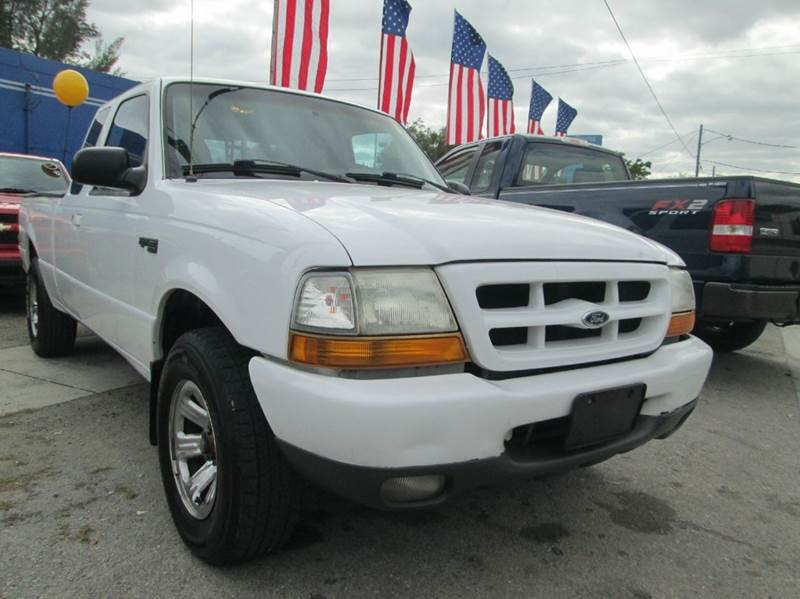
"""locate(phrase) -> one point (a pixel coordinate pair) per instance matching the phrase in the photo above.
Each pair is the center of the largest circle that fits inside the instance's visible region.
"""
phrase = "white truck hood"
(395, 225)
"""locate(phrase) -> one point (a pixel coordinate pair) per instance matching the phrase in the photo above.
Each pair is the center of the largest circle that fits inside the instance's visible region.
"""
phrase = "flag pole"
(480, 133)
(380, 66)
(274, 43)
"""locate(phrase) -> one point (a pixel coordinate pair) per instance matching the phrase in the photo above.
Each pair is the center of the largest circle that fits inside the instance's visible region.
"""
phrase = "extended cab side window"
(92, 135)
(556, 164)
(129, 128)
(482, 179)
(533, 169)
(456, 166)
(96, 127)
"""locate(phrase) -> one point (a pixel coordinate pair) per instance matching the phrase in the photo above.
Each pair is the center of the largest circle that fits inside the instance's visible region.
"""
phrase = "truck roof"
(160, 82)
(571, 141)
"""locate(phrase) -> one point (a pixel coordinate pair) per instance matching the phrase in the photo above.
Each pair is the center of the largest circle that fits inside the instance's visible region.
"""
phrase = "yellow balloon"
(70, 87)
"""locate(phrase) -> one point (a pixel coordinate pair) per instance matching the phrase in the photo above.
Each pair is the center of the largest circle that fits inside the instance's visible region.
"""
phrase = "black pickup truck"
(739, 235)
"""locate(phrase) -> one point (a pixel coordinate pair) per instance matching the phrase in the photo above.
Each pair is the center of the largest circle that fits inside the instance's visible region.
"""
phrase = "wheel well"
(182, 313)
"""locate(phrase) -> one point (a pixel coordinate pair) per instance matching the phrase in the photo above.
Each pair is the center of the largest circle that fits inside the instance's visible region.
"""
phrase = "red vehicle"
(22, 175)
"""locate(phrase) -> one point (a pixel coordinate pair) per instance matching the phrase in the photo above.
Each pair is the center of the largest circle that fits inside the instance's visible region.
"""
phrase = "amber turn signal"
(681, 324)
(376, 352)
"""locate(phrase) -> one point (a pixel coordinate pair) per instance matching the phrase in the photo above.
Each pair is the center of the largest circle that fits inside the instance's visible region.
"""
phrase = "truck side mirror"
(108, 167)
(459, 187)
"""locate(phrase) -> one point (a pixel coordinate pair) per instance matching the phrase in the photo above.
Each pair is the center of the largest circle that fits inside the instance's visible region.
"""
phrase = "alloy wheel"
(193, 450)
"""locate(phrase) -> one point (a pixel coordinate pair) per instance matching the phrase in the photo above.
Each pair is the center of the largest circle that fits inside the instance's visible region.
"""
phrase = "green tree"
(58, 30)
(639, 169)
(105, 56)
(432, 141)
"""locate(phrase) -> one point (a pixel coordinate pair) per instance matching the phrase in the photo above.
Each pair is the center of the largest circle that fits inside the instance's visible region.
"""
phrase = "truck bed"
(678, 213)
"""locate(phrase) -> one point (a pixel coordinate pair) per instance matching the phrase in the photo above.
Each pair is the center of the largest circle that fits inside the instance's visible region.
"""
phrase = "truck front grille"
(530, 315)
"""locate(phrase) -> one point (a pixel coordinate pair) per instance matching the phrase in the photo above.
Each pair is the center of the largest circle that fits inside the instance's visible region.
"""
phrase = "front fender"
(197, 279)
(250, 288)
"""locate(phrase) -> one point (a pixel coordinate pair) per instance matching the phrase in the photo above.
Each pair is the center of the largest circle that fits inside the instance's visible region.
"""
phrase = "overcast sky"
(730, 64)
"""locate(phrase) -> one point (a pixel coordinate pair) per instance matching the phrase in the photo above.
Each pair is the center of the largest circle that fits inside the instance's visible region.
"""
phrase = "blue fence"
(32, 120)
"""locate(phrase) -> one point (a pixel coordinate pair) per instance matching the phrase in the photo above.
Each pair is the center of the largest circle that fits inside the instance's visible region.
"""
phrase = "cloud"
(697, 56)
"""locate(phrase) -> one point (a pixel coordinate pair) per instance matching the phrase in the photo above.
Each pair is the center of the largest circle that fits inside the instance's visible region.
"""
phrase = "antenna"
(191, 176)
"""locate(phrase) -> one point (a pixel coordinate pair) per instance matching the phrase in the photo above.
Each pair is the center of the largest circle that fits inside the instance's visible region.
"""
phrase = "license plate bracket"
(601, 416)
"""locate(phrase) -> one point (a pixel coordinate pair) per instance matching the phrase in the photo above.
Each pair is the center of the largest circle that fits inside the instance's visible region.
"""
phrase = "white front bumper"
(441, 419)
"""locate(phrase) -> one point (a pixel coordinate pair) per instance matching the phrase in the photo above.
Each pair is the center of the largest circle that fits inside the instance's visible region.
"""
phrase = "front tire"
(726, 337)
(51, 332)
(231, 493)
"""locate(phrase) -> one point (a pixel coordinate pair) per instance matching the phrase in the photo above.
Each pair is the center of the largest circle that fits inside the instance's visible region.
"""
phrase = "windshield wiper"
(251, 168)
(389, 178)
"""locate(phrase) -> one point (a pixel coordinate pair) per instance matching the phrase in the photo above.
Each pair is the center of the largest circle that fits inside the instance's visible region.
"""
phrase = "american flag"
(540, 100)
(500, 118)
(300, 44)
(397, 61)
(566, 114)
(467, 102)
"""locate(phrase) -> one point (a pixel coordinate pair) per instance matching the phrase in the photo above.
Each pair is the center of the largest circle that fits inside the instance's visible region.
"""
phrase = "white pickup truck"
(310, 301)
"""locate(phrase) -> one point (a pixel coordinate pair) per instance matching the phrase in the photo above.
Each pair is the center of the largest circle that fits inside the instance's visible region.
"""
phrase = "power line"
(721, 55)
(752, 141)
(647, 82)
(732, 53)
(749, 168)
(544, 70)
(597, 64)
(548, 74)
(688, 135)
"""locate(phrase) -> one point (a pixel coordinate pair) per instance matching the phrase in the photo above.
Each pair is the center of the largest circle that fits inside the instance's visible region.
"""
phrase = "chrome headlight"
(325, 303)
(682, 318)
(682, 290)
(374, 318)
(374, 302)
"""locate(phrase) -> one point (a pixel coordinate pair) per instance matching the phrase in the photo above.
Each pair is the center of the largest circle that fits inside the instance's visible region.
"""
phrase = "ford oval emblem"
(595, 319)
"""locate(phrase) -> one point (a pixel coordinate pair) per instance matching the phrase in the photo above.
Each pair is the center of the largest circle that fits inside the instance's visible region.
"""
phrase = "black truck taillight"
(732, 227)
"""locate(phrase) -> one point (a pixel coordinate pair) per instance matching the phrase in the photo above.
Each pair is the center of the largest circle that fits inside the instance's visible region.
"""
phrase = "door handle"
(76, 220)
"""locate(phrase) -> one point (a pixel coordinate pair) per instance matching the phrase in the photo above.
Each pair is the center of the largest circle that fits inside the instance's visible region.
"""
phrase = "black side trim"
(752, 302)
(155, 378)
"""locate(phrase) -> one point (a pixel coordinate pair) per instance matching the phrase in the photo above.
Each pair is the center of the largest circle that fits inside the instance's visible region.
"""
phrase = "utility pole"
(699, 144)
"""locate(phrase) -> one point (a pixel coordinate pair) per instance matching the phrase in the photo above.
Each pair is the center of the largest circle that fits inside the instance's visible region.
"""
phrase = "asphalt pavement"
(713, 511)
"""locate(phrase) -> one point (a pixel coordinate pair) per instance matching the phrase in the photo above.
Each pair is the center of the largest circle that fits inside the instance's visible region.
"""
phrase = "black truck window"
(559, 163)
(482, 179)
(456, 166)
(94, 129)
(129, 128)
(92, 135)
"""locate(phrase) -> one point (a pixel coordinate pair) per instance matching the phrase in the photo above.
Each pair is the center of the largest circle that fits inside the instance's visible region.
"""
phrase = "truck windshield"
(234, 124)
(26, 175)
(560, 163)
